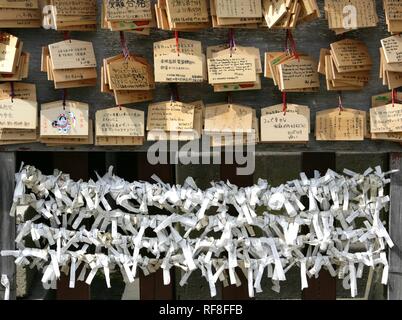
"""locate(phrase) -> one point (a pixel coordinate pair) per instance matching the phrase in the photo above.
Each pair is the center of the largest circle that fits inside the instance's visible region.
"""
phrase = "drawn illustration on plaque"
(65, 122)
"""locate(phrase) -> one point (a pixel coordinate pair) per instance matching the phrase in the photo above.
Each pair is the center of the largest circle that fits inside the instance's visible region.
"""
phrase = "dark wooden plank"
(323, 287)
(151, 286)
(76, 164)
(395, 222)
(7, 223)
(229, 172)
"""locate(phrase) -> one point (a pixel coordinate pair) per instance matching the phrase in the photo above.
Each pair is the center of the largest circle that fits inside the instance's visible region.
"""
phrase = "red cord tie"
(292, 49)
(12, 92)
(174, 92)
(340, 103)
(123, 44)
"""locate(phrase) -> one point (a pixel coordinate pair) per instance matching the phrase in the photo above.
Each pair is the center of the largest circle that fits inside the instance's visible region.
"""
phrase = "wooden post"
(228, 172)
(395, 223)
(324, 287)
(7, 223)
(151, 286)
(76, 164)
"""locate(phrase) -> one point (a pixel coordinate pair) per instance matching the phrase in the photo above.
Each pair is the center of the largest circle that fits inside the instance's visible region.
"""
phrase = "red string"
(174, 92)
(285, 105)
(12, 93)
(176, 35)
(66, 35)
(232, 43)
(64, 95)
(123, 44)
(229, 98)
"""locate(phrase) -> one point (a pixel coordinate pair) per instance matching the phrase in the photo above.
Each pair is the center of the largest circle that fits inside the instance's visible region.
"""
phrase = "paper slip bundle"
(179, 60)
(121, 125)
(64, 141)
(18, 113)
(14, 63)
(340, 125)
(287, 14)
(393, 15)
(65, 122)
(391, 62)
(346, 65)
(379, 101)
(128, 15)
(19, 14)
(290, 126)
(292, 72)
(173, 120)
(216, 66)
(129, 79)
(348, 15)
(236, 13)
(70, 15)
(182, 15)
(70, 64)
(230, 124)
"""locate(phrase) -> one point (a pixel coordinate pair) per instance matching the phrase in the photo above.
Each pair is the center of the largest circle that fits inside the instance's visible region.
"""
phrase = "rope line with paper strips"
(101, 225)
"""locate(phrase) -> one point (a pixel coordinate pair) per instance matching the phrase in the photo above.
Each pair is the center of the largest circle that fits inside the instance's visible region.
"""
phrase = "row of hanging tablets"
(67, 122)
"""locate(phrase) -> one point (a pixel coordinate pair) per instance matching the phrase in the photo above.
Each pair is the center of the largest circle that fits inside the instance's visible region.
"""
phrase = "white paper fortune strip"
(101, 225)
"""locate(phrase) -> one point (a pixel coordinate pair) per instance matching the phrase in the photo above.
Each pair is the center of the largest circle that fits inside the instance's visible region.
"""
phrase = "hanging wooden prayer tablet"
(129, 79)
(119, 122)
(386, 119)
(287, 14)
(292, 73)
(393, 15)
(14, 63)
(380, 100)
(229, 124)
(182, 15)
(391, 62)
